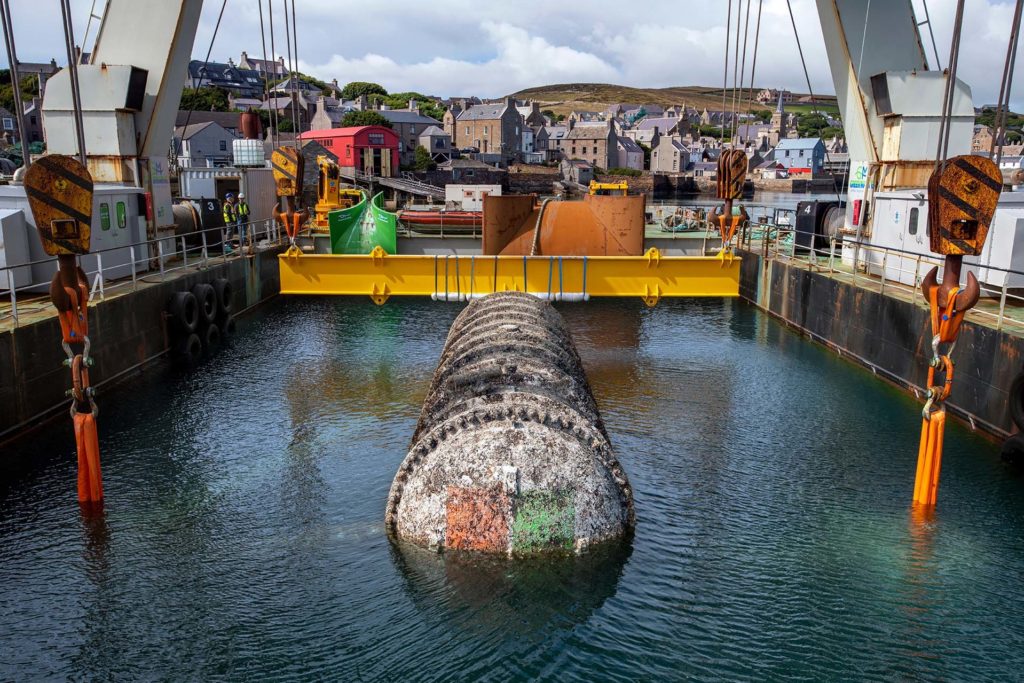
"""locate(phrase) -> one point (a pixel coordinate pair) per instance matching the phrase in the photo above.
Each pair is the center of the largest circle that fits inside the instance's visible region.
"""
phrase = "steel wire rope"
(291, 71)
(206, 62)
(949, 92)
(295, 50)
(272, 105)
(757, 39)
(266, 64)
(76, 93)
(810, 92)
(935, 47)
(1005, 86)
(738, 85)
(735, 73)
(725, 74)
(12, 58)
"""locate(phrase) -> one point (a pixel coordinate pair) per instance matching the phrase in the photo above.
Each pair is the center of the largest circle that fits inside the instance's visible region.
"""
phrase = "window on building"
(104, 216)
(376, 138)
(801, 152)
(675, 164)
(32, 119)
(469, 173)
(485, 130)
(348, 151)
(787, 152)
(8, 124)
(412, 129)
(122, 215)
(467, 130)
(912, 221)
(574, 149)
(223, 145)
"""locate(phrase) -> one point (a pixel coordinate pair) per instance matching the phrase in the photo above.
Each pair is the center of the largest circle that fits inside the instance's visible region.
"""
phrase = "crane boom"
(130, 93)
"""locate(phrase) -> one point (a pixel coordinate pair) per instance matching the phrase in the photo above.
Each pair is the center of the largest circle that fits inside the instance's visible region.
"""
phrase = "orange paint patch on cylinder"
(477, 519)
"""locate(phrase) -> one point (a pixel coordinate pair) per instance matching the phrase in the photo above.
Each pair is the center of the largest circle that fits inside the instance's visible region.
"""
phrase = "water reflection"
(486, 594)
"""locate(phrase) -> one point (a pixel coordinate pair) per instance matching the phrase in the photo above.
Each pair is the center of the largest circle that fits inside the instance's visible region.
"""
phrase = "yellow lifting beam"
(557, 278)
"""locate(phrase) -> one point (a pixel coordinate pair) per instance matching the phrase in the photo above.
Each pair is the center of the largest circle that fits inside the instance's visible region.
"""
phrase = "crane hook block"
(962, 196)
(287, 164)
(732, 173)
(59, 190)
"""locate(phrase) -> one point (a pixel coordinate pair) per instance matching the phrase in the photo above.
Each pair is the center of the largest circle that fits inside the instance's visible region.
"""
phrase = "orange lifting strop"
(59, 190)
(962, 195)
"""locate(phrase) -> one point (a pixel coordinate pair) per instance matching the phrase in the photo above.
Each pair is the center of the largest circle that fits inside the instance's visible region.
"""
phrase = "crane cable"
(725, 74)
(1003, 106)
(947, 99)
(274, 114)
(266, 65)
(738, 85)
(295, 50)
(810, 92)
(757, 40)
(206, 62)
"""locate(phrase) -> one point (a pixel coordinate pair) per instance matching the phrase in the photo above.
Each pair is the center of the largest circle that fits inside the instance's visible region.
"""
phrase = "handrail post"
(14, 296)
(206, 254)
(885, 274)
(160, 256)
(1002, 305)
(131, 257)
(184, 253)
(99, 267)
(856, 254)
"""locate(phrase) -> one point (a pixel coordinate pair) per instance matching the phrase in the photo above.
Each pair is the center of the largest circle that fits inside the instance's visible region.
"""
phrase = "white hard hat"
(241, 195)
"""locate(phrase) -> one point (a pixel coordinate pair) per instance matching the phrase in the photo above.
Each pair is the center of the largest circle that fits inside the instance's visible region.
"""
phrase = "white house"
(202, 144)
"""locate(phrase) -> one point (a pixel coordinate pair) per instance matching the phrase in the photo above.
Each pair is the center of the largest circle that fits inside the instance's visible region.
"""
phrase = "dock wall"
(127, 332)
(890, 336)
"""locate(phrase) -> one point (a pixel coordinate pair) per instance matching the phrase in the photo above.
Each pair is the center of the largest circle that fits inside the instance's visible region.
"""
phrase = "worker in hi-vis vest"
(230, 218)
(242, 213)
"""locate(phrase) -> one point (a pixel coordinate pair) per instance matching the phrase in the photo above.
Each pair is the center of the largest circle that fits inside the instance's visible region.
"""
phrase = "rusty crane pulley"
(731, 175)
(60, 190)
(288, 166)
(962, 196)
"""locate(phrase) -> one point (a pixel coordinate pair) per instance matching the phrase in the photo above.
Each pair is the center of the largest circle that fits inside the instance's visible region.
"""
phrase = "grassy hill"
(564, 97)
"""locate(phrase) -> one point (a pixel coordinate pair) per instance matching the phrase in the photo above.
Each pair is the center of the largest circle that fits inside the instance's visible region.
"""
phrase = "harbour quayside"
(582, 382)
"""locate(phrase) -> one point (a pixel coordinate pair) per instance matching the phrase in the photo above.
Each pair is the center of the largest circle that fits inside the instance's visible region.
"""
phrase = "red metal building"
(370, 149)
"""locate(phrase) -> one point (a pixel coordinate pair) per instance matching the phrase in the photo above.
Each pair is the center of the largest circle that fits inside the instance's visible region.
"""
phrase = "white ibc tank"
(248, 152)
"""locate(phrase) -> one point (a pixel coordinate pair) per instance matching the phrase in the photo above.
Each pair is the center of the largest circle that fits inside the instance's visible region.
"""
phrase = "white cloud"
(461, 47)
(520, 60)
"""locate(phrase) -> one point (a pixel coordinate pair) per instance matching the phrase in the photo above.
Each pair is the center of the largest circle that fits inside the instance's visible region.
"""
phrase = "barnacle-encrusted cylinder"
(510, 454)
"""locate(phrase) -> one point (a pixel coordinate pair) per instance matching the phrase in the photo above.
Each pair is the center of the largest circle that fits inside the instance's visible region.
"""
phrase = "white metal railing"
(150, 258)
(888, 269)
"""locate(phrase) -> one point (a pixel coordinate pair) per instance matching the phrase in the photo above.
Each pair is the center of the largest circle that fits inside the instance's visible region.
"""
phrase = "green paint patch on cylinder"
(543, 520)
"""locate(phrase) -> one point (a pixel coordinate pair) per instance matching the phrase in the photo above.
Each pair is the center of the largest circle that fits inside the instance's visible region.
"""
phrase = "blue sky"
(462, 47)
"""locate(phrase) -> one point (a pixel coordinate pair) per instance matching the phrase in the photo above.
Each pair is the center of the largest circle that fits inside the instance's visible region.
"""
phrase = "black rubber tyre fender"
(1013, 450)
(211, 339)
(225, 293)
(207, 300)
(228, 327)
(1017, 401)
(184, 310)
(188, 350)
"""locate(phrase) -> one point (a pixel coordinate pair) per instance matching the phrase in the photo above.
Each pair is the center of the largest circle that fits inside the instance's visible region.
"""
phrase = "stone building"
(491, 129)
(595, 144)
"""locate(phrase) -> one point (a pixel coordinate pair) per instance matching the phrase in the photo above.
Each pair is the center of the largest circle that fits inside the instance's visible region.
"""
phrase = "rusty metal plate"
(59, 190)
(477, 519)
(287, 164)
(732, 173)
(962, 200)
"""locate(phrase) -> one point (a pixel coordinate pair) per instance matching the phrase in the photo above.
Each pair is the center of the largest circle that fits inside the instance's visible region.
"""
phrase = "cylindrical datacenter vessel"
(510, 454)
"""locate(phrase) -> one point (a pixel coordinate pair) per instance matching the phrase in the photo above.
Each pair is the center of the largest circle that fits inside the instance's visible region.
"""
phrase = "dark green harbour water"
(243, 533)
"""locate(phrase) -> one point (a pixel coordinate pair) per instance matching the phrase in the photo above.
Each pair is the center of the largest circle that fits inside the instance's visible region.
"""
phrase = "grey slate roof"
(588, 133)
(799, 143)
(433, 130)
(483, 112)
(405, 116)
